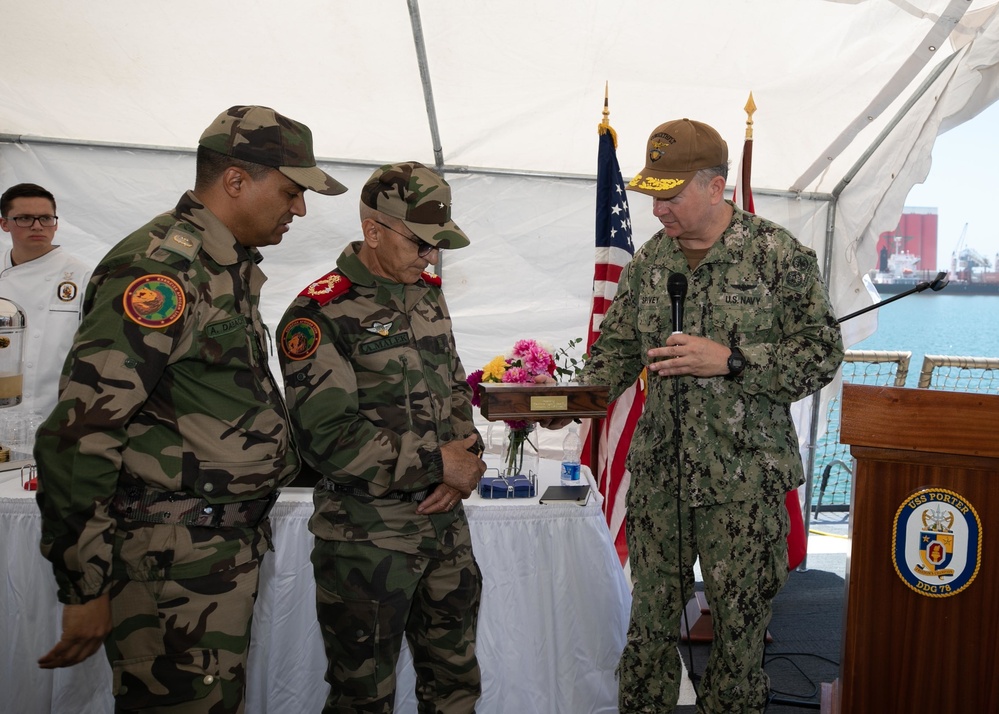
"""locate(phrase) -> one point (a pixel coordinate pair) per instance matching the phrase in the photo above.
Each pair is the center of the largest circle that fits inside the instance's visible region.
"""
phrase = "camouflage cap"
(262, 136)
(676, 151)
(419, 198)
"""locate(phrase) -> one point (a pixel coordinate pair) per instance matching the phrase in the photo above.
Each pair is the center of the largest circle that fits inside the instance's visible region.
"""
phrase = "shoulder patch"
(799, 276)
(327, 288)
(154, 301)
(431, 279)
(300, 338)
(183, 242)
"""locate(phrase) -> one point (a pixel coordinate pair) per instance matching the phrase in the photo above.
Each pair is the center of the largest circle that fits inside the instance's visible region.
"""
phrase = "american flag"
(614, 248)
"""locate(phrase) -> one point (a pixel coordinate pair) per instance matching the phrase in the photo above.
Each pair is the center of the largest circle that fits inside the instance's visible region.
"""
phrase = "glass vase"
(520, 449)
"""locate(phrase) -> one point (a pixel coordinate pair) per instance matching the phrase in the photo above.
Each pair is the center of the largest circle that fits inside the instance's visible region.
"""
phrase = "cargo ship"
(970, 273)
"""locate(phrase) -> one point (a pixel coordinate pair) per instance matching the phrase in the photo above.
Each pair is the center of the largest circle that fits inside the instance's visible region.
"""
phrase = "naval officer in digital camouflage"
(170, 440)
(383, 414)
(759, 334)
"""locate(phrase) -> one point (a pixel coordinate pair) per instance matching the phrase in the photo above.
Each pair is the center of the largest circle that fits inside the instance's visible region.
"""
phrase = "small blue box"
(519, 486)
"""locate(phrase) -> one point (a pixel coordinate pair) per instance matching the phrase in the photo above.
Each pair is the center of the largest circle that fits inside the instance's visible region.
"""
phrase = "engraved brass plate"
(549, 404)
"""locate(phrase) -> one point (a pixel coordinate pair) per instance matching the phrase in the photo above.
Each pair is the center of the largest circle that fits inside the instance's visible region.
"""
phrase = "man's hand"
(688, 354)
(84, 628)
(444, 498)
(462, 471)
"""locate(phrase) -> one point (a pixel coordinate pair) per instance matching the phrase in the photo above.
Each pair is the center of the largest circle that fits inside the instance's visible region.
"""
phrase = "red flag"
(614, 249)
(744, 197)
(797, 539)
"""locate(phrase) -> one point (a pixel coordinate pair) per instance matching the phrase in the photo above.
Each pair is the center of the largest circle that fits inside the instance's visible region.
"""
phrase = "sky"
(962, 187)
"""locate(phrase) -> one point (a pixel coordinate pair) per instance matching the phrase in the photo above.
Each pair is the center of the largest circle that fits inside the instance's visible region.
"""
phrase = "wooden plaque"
(542, 401)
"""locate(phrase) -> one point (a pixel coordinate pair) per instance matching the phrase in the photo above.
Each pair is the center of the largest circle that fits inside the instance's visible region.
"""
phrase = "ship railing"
(960, 374)
(833, 462)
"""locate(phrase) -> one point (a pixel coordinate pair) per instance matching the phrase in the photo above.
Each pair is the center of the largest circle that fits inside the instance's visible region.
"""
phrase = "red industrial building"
(916, 236)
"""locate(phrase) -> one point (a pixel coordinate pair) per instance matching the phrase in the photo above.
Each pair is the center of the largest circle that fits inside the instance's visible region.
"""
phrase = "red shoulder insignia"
(327, 288)
(431, 279)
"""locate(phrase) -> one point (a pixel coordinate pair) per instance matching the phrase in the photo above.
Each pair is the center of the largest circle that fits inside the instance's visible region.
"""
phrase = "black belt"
(408, 496)
(148, 505)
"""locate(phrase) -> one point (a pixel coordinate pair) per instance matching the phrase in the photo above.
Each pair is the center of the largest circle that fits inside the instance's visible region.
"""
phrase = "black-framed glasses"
(28, 221)
(422, 247)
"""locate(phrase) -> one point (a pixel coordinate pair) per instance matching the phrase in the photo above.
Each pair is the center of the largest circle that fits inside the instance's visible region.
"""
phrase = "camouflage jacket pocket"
(226, 482)
(654, 326)
(738, 324)
(163, 680)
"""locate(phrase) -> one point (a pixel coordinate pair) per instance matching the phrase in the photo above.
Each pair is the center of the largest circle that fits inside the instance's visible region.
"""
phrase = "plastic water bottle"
(571, 448)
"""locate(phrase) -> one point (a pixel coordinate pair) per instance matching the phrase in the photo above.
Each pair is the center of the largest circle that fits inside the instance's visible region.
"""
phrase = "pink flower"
(523, 347)
(537, 359)
(517, 375)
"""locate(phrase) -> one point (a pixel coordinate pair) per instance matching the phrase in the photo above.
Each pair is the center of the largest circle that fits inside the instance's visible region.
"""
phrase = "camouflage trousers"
(369, 598)
(743, 552)
(180, 646)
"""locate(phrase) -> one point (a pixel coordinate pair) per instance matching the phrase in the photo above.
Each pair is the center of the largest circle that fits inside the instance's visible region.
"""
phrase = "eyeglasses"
(28, 221)
(422, 247)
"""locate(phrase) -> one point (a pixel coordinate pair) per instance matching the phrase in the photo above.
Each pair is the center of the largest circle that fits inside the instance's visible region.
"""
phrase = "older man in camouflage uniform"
(165, 453)
(382, 413)
(709, 476)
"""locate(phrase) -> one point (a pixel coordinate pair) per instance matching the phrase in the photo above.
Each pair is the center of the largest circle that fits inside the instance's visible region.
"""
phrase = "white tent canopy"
(103, 104)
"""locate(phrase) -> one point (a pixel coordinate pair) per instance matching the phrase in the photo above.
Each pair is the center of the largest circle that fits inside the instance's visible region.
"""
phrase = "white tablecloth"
(554, 614)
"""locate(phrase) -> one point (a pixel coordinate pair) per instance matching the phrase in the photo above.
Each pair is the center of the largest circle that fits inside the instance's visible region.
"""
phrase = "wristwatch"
(736, 363)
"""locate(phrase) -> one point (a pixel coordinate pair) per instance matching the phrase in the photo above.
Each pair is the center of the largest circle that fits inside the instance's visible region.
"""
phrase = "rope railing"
(960, 374)
(833, 463)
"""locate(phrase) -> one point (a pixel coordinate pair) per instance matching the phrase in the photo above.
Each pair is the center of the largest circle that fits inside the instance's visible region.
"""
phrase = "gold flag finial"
(604, 126)
(750, 108)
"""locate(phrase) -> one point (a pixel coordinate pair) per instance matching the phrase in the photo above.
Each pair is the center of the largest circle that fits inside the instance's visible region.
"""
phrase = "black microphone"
(676, 287)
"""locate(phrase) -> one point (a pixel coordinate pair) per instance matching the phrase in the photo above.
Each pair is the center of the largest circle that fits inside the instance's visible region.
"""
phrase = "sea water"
(926, 323)
(934, 323)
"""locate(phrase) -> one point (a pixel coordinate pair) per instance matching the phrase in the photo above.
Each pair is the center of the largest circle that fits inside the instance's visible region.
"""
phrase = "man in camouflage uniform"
(709, 476)
(382, 413)
(160, 463)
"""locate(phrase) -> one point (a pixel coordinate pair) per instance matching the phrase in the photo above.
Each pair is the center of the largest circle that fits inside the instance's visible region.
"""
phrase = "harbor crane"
(965, 259)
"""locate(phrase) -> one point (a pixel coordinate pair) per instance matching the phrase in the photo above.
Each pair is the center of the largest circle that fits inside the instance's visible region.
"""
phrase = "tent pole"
(428, 91)
(428, 97)
(920, 91)
(815, 399)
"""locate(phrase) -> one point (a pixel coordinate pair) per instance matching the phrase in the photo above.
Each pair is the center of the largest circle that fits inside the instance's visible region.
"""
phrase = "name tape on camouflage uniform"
(937, 542)
(154, 301)
(300, 338)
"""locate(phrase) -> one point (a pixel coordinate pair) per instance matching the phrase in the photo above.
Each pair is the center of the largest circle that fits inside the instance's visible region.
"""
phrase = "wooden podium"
(922, 580)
